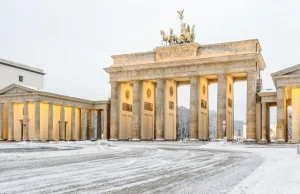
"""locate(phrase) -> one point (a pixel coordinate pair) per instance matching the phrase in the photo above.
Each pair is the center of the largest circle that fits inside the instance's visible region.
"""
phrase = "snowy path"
(123, 167)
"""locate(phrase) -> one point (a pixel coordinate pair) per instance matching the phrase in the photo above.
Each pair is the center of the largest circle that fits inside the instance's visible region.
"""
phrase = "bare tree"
(183, 122)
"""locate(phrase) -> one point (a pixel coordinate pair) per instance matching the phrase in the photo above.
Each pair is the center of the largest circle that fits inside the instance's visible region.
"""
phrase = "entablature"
(189, 51)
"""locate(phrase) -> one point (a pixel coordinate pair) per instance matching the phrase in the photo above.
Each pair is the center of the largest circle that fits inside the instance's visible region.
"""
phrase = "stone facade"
(28, 113)
(287, 83)
(167, 67)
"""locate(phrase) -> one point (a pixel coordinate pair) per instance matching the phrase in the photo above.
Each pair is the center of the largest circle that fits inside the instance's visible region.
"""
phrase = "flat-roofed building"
(12, 72)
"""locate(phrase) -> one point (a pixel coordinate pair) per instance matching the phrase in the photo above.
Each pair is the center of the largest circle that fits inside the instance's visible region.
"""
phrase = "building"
(28, 112)
(12, 72)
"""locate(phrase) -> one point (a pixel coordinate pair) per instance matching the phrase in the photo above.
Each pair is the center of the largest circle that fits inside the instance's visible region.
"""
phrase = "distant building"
(12, 72)
(28, 112)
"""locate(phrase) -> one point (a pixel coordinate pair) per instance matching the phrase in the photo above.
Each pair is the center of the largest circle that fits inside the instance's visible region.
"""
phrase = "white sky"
(72, 40)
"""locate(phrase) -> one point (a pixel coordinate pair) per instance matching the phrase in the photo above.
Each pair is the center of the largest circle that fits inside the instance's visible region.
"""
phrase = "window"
(20, 78)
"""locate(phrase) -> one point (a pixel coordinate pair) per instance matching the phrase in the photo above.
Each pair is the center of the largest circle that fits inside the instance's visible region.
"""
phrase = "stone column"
(50, 122)
(160, 103)
(114, 113)
(136, 110)
(280, 115)
(251, 106)
(264, 122)
(177, 119)
(91, 129)
(37, 121)
(25, 121)
(194, 107)
(221, 107)
(99, 124)
(105, 121)
(82, 124)
(62, 134)
(1, 121)
(10, 121)
(73, 135)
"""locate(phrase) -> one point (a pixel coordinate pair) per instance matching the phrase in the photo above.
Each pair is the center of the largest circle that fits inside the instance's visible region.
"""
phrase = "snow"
(148, 167)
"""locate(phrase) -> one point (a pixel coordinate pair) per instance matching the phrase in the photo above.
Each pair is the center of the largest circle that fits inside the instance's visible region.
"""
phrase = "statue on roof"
(187, 35)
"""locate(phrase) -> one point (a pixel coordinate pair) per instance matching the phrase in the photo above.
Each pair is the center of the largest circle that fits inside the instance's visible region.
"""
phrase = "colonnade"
(163, 103)
(38, 121)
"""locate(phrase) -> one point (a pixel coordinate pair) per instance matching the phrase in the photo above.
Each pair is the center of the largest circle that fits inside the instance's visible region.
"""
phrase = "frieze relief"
(127, 107)
(148, 106)
(172, 53)
(171, 105)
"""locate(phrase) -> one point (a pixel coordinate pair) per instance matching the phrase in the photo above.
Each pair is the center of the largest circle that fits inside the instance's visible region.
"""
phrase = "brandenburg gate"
(144, 87)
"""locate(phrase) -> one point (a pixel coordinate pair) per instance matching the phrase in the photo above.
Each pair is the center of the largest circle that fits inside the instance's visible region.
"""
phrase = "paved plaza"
(147, 167)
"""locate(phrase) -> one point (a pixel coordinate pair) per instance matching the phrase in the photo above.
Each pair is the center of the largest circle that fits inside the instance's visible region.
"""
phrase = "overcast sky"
(72, 40)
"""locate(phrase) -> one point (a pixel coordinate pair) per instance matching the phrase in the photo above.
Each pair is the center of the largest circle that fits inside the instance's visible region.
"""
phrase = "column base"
(37, 140)
(1, 139)
(10, 140)
(250, 141)
(218, 140)
(280, 141)
(135, 139)
(159, 139)
(112, 139)
(263, 141)
(25, 140)
(50, 140)
(193, 139)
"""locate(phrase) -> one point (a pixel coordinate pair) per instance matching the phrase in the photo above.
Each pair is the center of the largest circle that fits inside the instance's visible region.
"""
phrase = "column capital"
(251, 72)
(137, 81)
(114, 83)
(194, 77)
(160, 79)
(221, 74)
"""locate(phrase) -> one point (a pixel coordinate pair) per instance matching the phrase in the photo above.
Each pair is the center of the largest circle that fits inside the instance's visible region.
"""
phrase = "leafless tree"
(183, 122)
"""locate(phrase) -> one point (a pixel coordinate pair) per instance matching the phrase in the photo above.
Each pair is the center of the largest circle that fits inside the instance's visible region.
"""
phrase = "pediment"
(294, 70)
(16, 89)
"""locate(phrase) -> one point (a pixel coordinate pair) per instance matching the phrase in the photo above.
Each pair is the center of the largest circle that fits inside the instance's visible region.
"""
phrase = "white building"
(11, 72)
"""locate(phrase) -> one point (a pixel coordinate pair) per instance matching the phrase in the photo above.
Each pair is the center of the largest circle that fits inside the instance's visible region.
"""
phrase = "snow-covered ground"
(148, 167)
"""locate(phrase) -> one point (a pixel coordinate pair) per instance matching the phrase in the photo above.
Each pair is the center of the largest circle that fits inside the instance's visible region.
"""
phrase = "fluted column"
(73, 135)
(62, 131)
(114, 113)
(221, 107)
(136, 110)
(194, 107)
(159, 105)
(10, 121)
(1, 121)
(91, 129)
(264, 122)
(251, 106)
(280, 115)
(82, 125)
(37, 121)
(105, 122)
(25, 121)
(50, 122)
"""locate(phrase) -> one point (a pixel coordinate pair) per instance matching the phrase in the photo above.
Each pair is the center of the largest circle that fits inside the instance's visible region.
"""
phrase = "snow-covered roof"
(21, 66)
(41, 91)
